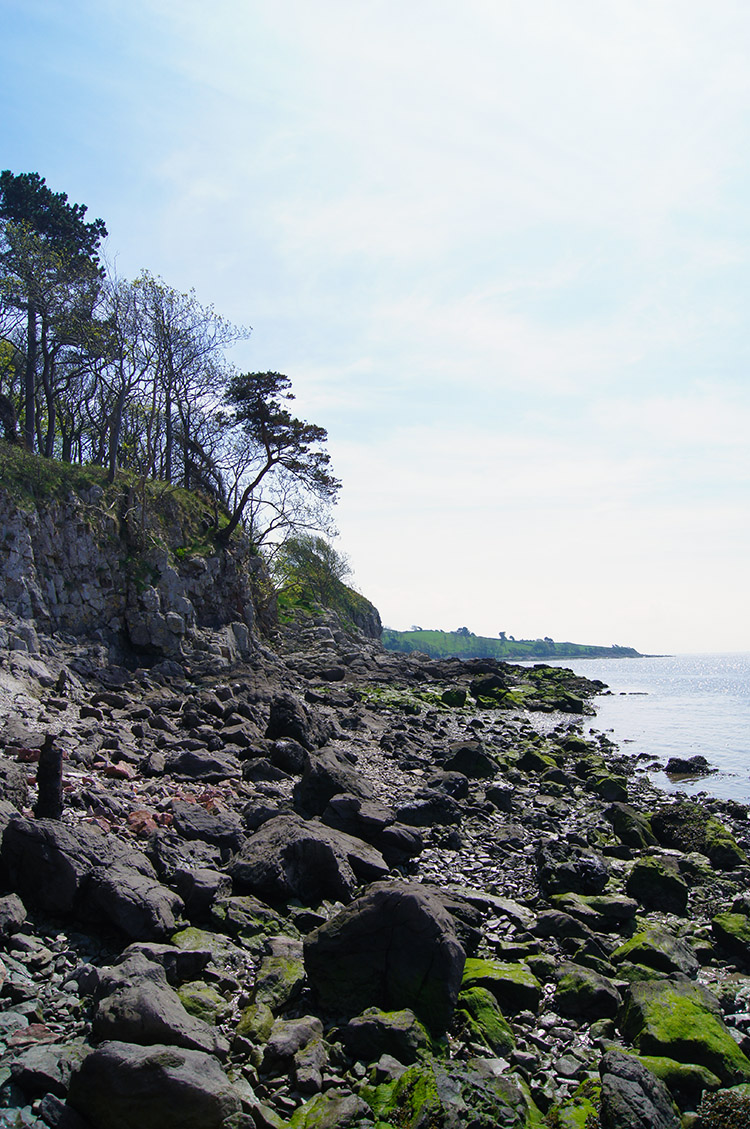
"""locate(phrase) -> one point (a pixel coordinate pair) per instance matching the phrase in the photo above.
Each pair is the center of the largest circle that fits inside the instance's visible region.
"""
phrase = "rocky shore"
(321, 885)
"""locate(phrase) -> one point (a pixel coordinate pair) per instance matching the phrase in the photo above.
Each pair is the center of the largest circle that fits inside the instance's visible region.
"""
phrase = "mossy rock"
(655, 882)
(608, 787)
(331, 1110)
(579, 1111)
(722, 847)
(585, 994)
(682, 1020)
(376, 1032)
(659, 949)
(455, 698)
(514, 986)
(478, 1009)
(451, 1095)
(220, 947)
(255, 1023)
(687, 826)
(686, 1081)
(631, 826)
(279, 980)
(246, 918)
(732, 932)
(202, 1001)
(531, 760)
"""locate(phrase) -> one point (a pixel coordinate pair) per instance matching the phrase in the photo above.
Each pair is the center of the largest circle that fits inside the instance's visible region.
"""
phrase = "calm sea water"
(679, 705)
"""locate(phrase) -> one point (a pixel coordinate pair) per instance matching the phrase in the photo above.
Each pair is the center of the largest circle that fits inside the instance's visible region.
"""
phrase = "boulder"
(632, 1097)
(289, 857)
(120, 1085)
(630, 826)
(327, 773)
(585, 994)
(563, 866)
(514, 986)
(221, 828)
(682, 1020)
(454, 1095)
(655, 882)
(288, 717)
(658, 948)
(65, 870)
(395, 947)
(147, 1011)
(375, 1032)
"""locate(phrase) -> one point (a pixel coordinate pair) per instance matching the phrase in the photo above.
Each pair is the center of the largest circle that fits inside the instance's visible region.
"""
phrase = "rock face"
(395, 947)
(66, 567)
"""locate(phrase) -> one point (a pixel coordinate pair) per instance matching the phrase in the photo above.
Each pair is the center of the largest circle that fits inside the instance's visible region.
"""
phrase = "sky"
(500, 247)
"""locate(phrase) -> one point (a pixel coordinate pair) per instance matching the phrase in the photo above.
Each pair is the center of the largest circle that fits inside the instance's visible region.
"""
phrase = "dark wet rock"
(291, 857)
(289, 717)
(632, 1097)
(471, 759)
(135, 903)
(208, 767)
(13, 785)
(46, 1068)
(375, 824)
(288, 755)
(199, 888)
(327, 773)
(688, 766)
(65, 870)
(375, 1032)
(222, 828)
(454, 784)
(395, 947)
(179, 964)
(12, 914)
(428, 807)
(563, 867)
(170, 853)
(656, 883)
(148, 1011)
(120, 1085)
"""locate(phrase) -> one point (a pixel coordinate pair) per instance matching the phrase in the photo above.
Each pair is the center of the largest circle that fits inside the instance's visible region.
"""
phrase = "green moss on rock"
(682, 1021)
(479, 1011)
(514, 986)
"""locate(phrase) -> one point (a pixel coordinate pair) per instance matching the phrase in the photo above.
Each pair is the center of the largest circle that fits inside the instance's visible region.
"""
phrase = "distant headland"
(464, 644)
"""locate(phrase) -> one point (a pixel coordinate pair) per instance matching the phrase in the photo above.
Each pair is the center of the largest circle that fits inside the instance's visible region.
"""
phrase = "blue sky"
(501, 248)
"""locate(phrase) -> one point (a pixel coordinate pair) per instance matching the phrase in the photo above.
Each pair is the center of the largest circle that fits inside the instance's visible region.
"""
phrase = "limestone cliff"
(113, 567)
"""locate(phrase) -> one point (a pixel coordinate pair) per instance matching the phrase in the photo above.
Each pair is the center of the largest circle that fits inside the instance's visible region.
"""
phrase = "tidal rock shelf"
(324, 885)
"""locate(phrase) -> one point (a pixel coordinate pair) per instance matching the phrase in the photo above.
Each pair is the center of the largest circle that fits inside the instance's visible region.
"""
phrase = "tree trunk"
(29, 418)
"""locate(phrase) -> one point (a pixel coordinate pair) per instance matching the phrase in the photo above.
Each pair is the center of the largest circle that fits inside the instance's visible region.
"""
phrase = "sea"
(679, 705)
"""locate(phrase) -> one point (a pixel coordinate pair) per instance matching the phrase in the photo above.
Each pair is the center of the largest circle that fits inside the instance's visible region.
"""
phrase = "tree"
(187, 340)
(60, 227)
(268, 443)
(312, 565)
